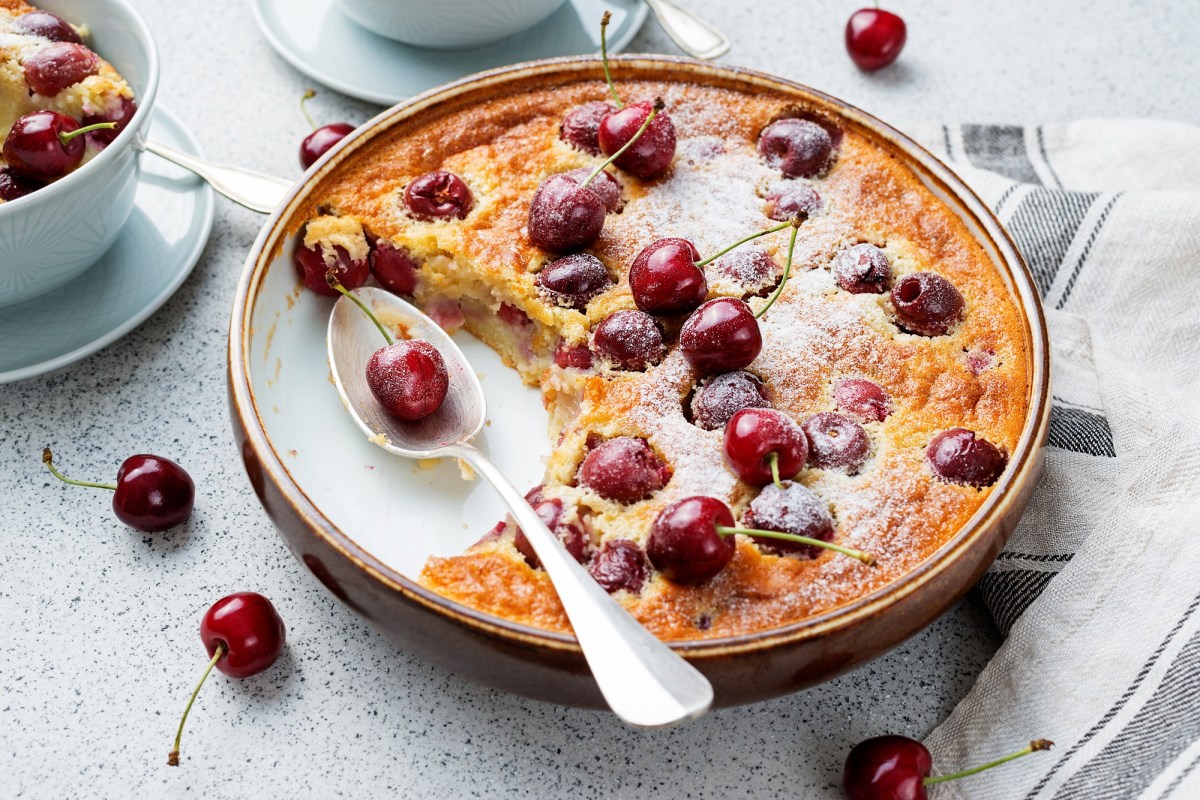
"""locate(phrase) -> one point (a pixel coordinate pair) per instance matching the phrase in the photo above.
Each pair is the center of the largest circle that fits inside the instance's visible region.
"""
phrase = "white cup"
(448, 24)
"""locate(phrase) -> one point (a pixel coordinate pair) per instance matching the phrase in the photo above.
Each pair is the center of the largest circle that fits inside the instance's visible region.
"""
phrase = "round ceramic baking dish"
(363, 522)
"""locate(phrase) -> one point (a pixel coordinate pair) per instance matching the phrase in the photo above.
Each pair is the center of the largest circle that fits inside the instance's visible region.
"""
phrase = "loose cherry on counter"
(244, 635)
(44, 145)
(317, 143)
(652, 137)
(438, 195)
(46, 25)
(959, 456)
(691, 540)
(629, 340)
(897, 768)
(874, 38)
(151, 494)
(565, 213)
(409, 377)
(57, 66)
(762, 444)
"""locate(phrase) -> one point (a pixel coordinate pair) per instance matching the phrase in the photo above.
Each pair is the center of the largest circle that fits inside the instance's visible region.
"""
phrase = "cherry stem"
(741, 242)
(173, 756)
(604, 58)
(64, 138)
(658, 106)
(331, 279)
(1034, 746)
(773, 458)
(48, 460)
(308, 95)
(787, 270)
(865, 558)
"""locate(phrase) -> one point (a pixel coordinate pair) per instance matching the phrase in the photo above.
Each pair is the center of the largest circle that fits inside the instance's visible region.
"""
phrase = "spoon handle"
(694, 36)
(254, 190)
(644, 682)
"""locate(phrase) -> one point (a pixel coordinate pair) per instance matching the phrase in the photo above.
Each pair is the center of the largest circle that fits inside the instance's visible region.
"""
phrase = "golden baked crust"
(815, 334)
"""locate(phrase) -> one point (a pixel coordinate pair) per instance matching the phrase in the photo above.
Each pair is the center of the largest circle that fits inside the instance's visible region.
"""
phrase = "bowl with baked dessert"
(77, 84)
(770, 371)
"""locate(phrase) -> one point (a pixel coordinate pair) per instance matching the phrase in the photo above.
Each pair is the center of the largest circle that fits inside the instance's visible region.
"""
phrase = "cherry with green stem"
(565, 214)
(897, 768)
(45, 145)
(409, 377)
(151, 494)
(762, 443)
(322, 138)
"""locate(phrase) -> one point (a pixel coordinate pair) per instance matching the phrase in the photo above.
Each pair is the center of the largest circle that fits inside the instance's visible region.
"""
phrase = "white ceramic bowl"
(448, 24)
(52, 235)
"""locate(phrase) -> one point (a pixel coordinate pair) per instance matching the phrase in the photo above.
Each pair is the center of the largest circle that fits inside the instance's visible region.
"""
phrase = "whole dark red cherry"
(862, 269)
(629, 340)
(572, 534)
(926, 304)
(581, 126)
(722, 335)
(44, 145)
(665, 280)
(751, 269)
(959, 456)
(313, 263)
(57, 66)
(564, 216)
(624, 470)
(317, 143)
(650, 155)
(438, 195)
(684, 544)
(862, 398)
(120, 116)
(753, 435)
(620, 564)
(800, 148)
(573, 281)
(572, 356)
(790, 201)
(244, 635)
(791, 508)
(836, 442)
(874, 38)
(14, 186)
(394, 267)
(46, 25)
(887, 768)
(716, 400)
(151, 494)
(408, 378)
(604, 185)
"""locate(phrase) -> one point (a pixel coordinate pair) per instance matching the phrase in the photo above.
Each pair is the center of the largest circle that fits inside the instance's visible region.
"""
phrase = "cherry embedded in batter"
(897, 768)
(799, 148)
(629, 340)
(960, 456)
(120, 117)
(789, 507)
(244, 635)
(47, 26)
(874, 38)
(14, 186)
(763, 445)
(57, 66)
(716, 400)
(926, 304)
(863, 399)
(581, 126)
(44, 145)
(151, 494)
(790, 201)
(836, 442)
(322, 138)
(619, 564)
(314, 263)
(862, 269)
(604, 185)
(573, 535)
(438, 195)
(624, 470)
(572, 356)
(573, 281)
(394, 267)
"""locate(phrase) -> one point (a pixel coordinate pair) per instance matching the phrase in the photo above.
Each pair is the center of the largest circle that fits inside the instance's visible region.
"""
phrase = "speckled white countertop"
(100, 644)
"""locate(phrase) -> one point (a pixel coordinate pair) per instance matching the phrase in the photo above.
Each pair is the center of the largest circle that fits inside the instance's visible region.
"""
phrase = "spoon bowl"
(643, 681)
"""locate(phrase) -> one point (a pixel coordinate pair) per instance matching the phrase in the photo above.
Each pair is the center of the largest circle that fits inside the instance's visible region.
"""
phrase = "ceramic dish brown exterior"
(549, 666)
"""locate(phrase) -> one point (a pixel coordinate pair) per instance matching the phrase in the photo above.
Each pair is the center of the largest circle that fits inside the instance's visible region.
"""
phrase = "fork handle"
(643, 681)
(256, 191)
(694, 36)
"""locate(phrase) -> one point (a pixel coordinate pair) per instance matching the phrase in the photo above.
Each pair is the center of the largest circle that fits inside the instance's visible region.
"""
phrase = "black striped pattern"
(1044, 225)
(1080, 430)
(999, 149)
(1008, 593)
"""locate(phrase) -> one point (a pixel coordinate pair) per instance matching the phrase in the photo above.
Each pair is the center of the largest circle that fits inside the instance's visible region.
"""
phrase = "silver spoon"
(694, 36)
(644, 682)
(256, 191)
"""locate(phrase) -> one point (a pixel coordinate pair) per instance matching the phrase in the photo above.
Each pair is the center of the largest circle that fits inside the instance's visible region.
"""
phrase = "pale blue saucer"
(155, 251)
(315, 37)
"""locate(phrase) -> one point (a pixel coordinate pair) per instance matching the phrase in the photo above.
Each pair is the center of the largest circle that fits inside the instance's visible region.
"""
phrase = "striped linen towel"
(1098, 592)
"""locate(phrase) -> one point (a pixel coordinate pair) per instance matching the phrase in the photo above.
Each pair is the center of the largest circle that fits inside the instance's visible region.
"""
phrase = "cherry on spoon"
(151, 494)
(244, 635)
(642, 679)
(897, 768)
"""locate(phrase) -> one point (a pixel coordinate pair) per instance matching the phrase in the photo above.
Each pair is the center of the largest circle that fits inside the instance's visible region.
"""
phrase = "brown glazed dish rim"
(1022, 465)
